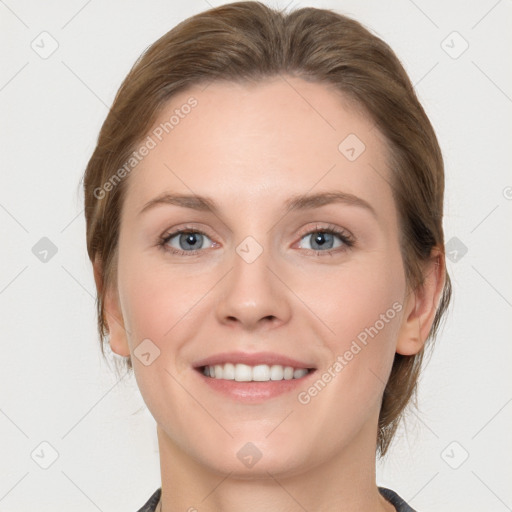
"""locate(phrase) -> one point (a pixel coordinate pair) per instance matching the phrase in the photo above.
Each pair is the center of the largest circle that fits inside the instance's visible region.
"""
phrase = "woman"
(264, 218)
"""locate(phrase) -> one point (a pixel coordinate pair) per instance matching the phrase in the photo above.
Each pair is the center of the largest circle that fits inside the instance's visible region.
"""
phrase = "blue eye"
(190, 241)
(324, 240)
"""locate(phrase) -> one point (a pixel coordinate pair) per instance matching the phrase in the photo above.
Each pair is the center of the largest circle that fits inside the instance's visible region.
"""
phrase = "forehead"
(253, 143)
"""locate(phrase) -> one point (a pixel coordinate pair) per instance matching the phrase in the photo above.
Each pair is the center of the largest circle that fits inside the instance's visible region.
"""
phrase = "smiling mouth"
(257, 373)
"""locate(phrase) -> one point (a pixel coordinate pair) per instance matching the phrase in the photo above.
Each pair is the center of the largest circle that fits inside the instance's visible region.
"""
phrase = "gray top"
(391, 496)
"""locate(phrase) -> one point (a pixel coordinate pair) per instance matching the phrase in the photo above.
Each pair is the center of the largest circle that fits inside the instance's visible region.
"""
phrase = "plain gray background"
(71, 435)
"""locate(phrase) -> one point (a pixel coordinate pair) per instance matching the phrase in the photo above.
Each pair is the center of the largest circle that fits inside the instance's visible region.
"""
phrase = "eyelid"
(164, 239)
(171, 232)
(304, 231)
(319, 226)
(345, 236)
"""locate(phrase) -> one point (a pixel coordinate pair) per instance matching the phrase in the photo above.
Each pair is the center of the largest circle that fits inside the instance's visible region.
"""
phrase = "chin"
(249, 460)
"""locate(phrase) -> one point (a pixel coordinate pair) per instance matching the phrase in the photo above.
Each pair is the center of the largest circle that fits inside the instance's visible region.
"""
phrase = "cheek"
(354, 295)
(140, 306)
(363, 310)
(158, 304)
(153, 298)
(360, 307)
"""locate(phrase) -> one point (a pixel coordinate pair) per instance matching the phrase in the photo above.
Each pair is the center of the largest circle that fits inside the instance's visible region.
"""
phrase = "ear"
(421, 306)
(113, 316)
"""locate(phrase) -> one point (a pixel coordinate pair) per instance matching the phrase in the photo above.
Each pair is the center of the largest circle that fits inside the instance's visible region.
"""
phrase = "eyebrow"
(294, 203)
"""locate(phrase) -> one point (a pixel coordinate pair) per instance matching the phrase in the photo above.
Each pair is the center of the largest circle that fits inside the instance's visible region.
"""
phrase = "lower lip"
(254, 392)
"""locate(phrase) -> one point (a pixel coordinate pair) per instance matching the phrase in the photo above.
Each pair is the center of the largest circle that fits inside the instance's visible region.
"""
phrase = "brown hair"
(250, 41)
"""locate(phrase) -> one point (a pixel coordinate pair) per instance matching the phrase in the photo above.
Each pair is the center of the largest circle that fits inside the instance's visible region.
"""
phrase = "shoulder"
(398, 502)
(151, 504)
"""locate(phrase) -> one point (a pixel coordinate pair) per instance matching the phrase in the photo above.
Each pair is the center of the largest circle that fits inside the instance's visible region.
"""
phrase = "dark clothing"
(151, 504)
(395, 500)
(391, 496)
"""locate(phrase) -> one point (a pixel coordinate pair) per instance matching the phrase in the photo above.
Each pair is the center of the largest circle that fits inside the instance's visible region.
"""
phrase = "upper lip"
(252, 359)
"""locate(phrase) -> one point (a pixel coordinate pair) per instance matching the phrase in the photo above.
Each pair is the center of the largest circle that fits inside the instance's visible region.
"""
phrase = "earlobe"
(112, 316)
(421, 307)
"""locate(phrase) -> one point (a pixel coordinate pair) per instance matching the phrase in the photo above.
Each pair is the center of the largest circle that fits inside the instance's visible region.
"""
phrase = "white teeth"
(288, 373)
(218, 371)
(259, 373)
(300, 372)
(243, 373)
(276, 372)
(229, 371)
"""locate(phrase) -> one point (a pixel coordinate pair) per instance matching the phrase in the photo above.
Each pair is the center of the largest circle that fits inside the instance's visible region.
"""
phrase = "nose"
(252, 295)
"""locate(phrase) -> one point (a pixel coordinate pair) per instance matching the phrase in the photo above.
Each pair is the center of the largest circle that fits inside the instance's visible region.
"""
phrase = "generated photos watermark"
(150, 143)
(342, 360)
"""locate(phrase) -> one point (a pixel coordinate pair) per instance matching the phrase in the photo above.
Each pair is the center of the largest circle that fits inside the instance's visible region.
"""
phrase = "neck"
(343, 483)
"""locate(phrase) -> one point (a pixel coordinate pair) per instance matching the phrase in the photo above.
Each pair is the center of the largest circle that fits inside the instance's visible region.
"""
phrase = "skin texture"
(249, 148)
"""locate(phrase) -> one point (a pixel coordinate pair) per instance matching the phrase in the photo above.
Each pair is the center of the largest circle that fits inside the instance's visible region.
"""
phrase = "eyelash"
(347, 240)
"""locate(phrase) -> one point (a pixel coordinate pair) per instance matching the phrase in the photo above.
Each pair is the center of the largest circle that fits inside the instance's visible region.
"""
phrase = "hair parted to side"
(250, 41)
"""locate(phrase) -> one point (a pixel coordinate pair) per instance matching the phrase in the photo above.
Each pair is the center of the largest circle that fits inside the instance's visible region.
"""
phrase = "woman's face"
(260, 273)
